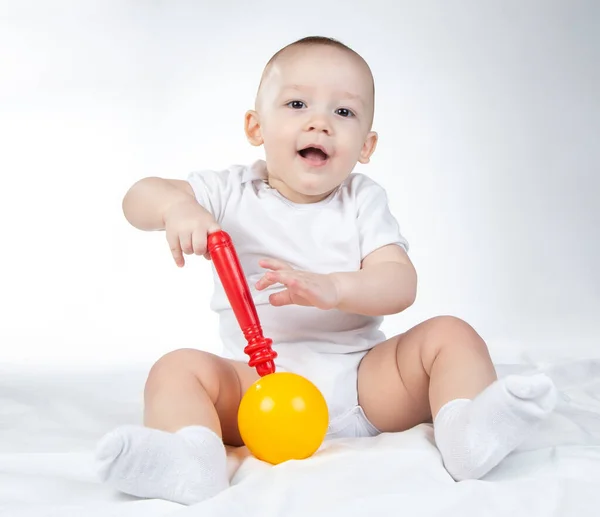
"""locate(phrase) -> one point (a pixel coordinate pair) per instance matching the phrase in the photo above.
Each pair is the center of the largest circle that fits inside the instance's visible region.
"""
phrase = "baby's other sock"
(186, 467)
(473, 436)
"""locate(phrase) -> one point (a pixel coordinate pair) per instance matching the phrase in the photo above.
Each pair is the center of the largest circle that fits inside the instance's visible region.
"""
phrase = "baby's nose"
(319, 123)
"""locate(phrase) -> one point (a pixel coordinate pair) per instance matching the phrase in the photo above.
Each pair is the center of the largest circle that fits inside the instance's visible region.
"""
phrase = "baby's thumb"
(212, 228)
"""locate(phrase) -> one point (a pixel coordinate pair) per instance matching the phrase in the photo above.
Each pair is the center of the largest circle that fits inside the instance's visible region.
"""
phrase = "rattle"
(282, 416)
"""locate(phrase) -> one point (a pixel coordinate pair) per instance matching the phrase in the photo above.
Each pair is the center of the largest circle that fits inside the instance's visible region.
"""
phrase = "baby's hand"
(187, 226)
(302, 287)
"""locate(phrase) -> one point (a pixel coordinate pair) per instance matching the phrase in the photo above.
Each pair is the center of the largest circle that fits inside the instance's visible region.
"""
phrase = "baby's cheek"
(277, 142)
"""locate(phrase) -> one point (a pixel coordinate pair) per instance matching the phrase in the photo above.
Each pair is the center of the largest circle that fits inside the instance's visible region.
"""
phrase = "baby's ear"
(252, 128)
(368, 147)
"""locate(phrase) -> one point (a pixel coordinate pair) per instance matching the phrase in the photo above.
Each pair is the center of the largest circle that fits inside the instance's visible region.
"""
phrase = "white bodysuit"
(333, 235)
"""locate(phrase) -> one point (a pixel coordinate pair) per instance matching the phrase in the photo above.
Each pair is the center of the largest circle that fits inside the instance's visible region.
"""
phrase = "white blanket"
(50, 422)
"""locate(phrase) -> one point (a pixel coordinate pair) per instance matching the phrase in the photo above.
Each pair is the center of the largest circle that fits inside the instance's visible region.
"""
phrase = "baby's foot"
(473, 436)
(186, 467)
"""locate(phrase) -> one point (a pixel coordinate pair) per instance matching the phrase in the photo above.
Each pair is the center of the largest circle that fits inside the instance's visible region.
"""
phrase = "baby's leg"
(441, 370)
(191, 400)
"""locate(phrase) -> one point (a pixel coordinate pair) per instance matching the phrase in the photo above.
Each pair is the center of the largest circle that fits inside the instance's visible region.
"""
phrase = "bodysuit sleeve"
(377, 226)
(213, 189)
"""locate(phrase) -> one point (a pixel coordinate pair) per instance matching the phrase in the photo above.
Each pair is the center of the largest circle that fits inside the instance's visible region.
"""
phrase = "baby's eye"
(344, 112)
(296, 104)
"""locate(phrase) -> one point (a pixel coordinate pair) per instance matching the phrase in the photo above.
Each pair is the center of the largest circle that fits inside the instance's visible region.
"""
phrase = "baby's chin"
(305, 188)
(314, 193)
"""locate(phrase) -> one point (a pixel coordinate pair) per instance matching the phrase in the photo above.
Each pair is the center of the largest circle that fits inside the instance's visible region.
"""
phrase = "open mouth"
(314, 155)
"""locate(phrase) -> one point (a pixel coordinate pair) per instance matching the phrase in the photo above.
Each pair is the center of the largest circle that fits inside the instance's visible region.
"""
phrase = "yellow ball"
(283, 416)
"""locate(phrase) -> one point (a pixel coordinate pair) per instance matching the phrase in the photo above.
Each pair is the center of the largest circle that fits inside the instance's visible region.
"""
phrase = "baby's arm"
(385, 284)
(161, 204)
(148, 200)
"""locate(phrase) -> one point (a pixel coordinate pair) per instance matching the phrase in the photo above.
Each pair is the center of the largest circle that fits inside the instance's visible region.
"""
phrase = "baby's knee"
(451, 326)
(177, 360)
(453, 332)
(183, 365)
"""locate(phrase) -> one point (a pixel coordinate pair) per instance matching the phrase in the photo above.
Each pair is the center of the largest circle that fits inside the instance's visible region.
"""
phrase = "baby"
(325, 261)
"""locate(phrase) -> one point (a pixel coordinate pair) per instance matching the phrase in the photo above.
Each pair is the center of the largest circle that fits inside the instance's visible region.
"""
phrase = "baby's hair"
(315, 41)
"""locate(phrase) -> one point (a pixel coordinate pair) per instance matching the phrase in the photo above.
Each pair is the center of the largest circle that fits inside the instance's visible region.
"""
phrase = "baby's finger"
(267, 280)
(289, 278)
(199, 242)
(274, 264)
(213, 227)
(186, 244)
(281, 298)
(175, 247)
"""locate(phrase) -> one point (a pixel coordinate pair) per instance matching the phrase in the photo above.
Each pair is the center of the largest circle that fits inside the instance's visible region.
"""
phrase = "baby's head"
(313, 113)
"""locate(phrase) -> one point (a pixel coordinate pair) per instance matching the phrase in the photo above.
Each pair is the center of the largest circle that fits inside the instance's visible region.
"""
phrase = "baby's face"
(314, 114)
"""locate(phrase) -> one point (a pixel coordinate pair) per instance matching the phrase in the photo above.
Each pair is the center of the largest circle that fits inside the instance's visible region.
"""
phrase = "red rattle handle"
(229, 269)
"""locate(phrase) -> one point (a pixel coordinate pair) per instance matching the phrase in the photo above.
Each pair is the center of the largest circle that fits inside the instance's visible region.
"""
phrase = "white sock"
(185, 467)
(473, 436)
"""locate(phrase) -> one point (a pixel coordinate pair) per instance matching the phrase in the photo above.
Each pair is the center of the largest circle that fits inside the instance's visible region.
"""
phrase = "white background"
(489, 124)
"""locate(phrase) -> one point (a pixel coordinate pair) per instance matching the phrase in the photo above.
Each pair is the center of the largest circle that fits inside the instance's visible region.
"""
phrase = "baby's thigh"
(193, 378)
(393, 386)
(213, 372)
